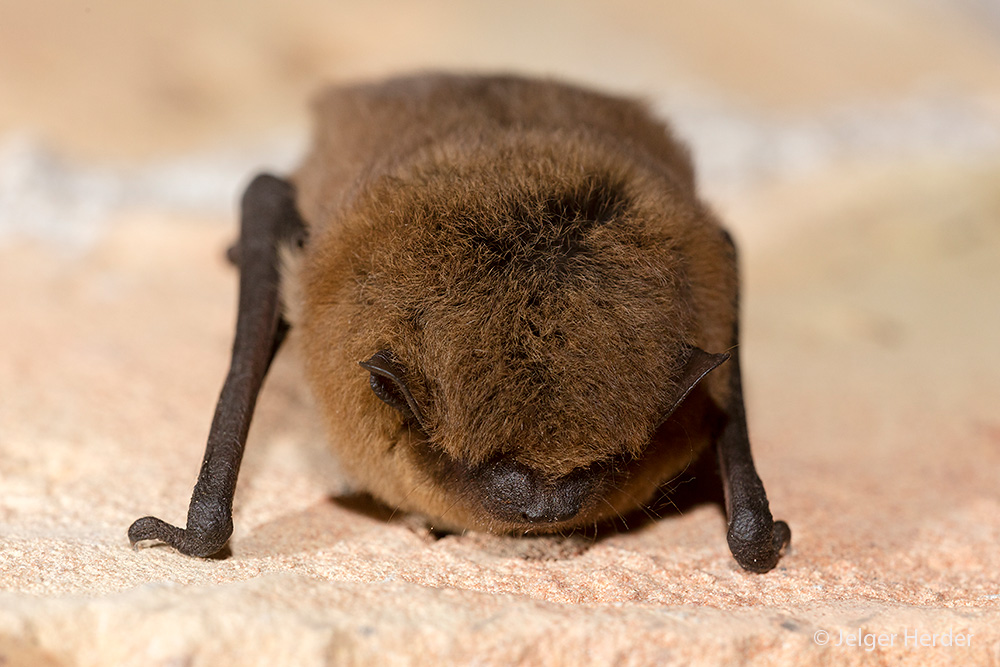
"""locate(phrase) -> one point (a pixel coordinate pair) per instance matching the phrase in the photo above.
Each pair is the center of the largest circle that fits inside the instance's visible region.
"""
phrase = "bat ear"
(699, 364)
(389, 385)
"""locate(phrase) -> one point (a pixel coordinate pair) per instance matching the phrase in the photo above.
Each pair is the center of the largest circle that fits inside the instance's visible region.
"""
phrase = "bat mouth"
(503, 494)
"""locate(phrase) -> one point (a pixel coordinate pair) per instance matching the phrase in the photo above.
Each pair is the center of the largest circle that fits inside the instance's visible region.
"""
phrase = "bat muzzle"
(515, 493)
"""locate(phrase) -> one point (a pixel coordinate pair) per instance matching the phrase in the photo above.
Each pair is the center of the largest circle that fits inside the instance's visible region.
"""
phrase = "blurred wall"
(109, 79)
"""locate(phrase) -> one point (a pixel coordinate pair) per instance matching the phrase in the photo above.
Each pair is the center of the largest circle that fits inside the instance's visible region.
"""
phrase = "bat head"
(526, 317)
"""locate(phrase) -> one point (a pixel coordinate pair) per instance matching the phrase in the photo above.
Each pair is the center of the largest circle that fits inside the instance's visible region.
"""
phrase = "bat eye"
(388, 384)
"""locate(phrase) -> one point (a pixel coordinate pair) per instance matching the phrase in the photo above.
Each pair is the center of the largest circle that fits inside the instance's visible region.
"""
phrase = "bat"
(516, 314)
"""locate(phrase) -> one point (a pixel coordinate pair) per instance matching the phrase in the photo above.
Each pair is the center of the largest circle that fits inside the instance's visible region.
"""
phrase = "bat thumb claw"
(756, 541)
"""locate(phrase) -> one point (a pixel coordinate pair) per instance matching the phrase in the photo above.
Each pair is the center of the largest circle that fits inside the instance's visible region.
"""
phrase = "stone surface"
(873, 377)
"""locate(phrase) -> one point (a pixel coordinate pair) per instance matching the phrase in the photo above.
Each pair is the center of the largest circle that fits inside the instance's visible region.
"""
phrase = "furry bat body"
(516, 314)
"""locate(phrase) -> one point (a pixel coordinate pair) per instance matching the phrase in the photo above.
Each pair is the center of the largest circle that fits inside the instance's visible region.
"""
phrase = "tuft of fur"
(536, 258)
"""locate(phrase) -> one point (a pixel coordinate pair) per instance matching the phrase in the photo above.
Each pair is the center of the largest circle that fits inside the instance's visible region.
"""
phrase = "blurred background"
(106, 105)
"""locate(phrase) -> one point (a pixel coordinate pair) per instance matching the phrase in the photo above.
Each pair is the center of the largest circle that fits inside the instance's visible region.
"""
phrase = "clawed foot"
(198, 541)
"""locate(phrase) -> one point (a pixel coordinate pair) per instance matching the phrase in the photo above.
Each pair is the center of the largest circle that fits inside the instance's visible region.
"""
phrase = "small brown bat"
(516, 314)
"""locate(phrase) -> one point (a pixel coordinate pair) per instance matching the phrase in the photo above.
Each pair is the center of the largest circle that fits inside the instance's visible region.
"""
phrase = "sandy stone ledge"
(873, 378)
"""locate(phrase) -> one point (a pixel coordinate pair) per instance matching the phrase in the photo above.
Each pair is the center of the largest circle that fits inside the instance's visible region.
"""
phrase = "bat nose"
(515, 492)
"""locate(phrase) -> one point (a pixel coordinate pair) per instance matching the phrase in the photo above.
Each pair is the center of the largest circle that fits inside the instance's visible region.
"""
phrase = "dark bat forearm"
(268, 220)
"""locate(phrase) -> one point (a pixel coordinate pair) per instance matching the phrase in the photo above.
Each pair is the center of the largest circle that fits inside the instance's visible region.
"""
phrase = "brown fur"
(536, 258)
